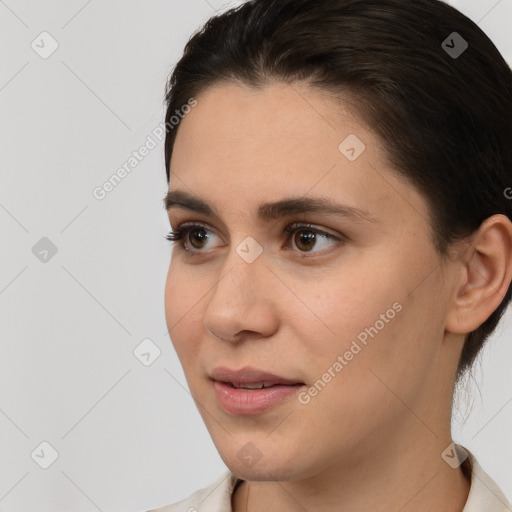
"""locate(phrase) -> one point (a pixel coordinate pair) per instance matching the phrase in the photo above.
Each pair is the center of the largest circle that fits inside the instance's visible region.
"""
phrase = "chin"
(262, 472)
(249, 464)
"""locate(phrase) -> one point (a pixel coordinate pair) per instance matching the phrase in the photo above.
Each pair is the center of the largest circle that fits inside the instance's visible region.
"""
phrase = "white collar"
(484, 494)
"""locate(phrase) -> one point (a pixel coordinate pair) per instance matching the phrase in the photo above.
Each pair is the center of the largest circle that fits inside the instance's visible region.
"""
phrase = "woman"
(342, 249)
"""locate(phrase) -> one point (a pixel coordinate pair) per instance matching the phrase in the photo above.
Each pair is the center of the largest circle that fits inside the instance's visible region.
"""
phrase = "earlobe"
(485, 278)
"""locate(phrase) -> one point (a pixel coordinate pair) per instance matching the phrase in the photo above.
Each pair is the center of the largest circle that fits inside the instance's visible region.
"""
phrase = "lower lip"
(248, 401)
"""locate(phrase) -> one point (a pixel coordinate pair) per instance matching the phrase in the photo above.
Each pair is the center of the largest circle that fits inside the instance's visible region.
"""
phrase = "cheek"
(388, 339)
(183, 312)
(369, 318)
(349, 306)
(352, 372)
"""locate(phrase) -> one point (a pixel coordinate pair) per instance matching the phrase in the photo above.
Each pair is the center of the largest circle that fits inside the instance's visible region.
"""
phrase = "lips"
(250, 391)
(250, 378)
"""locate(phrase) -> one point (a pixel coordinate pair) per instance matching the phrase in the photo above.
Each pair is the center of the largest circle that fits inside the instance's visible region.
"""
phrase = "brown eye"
(192, 238)
(305, 239)
(197, 235)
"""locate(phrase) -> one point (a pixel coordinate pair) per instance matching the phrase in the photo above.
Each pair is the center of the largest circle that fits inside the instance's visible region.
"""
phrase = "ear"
(485, 276)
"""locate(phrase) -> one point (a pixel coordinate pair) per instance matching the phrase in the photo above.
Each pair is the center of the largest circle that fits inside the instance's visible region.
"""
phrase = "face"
(350, 307)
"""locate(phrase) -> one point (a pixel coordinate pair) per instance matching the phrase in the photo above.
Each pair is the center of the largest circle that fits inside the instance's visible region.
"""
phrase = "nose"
(242, 302)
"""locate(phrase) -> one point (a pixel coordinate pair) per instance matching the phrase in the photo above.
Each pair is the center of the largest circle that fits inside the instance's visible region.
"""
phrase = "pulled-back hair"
(444, 117)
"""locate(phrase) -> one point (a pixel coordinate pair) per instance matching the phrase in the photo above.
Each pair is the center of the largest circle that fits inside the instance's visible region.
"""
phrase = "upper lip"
(249, 375)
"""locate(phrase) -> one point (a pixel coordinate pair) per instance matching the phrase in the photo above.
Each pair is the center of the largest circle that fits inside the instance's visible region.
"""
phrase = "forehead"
(280, 114)
(242, 146)
(237, 133)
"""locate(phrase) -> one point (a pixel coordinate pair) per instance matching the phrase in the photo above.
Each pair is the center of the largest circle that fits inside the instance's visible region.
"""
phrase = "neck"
(411, 477)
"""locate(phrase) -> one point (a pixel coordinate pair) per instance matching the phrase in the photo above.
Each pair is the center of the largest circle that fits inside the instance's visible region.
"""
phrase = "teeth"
(255, 385)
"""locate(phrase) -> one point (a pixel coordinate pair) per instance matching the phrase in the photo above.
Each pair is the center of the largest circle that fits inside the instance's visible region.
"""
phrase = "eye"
(182, 233)
(305, 237)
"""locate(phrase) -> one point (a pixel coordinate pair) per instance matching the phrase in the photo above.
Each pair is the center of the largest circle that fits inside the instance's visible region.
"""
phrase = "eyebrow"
(271, 210)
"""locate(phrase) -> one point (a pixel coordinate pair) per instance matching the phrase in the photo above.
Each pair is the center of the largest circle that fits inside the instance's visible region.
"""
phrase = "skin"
(384, 420)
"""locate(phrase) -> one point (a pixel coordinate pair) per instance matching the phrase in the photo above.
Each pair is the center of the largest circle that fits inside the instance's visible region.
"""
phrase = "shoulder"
(484, 494)
(214, 498)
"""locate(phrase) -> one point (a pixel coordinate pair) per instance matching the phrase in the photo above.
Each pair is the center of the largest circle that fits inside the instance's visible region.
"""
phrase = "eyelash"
(182, 231)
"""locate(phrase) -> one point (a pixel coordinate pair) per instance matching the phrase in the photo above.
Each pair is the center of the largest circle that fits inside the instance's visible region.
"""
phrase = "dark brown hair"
(442, 111)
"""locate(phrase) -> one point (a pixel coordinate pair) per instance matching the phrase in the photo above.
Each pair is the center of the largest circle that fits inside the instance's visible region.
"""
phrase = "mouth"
(256, 385)
(250, 391)
(251, 378)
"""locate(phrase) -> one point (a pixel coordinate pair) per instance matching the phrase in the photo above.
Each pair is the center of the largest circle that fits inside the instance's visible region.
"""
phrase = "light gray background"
(128, 436)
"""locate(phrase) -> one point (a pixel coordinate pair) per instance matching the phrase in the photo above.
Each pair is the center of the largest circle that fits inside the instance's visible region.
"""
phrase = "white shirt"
(484, 494)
